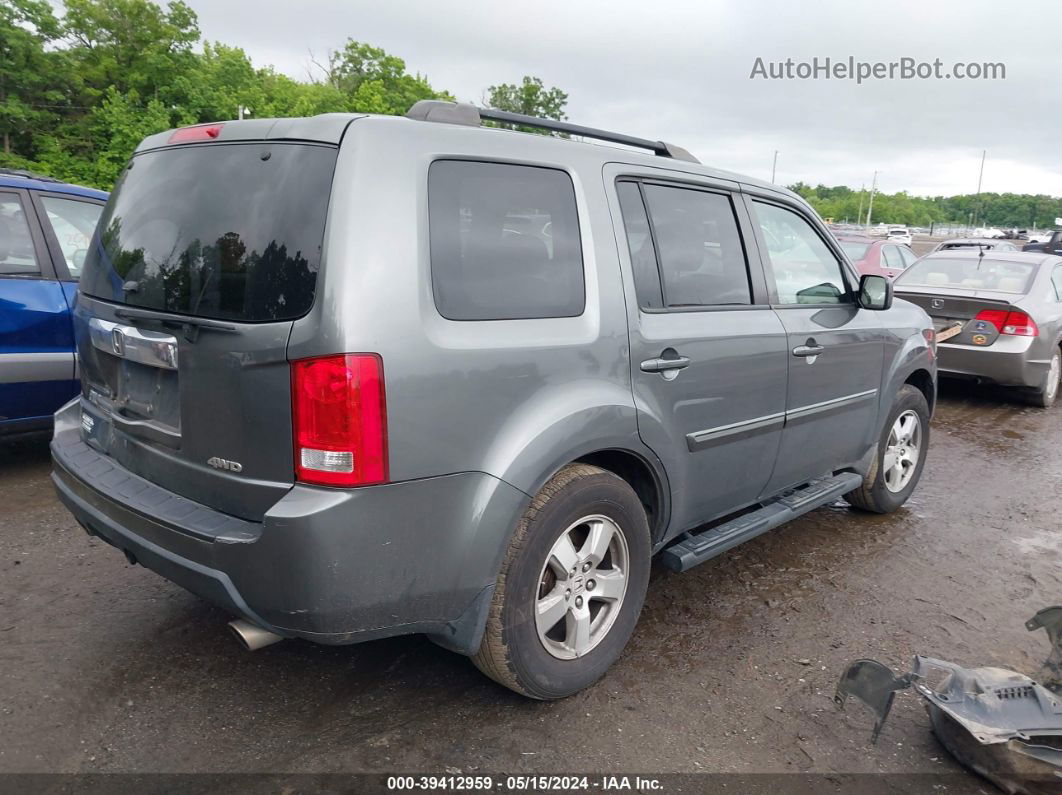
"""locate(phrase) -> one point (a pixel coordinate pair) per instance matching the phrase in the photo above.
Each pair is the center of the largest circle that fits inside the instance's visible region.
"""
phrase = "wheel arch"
(922, 379)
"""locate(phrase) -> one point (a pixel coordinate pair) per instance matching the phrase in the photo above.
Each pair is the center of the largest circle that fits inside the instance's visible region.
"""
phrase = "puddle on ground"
(1041, 541)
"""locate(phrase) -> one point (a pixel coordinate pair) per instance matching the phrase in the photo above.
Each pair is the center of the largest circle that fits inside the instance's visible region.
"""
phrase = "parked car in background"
(989, 232)
(1009, 306)
(1049, 244)
(880, 257)
(45, 230)
(976, 244)
(899, 234)
(357, 376)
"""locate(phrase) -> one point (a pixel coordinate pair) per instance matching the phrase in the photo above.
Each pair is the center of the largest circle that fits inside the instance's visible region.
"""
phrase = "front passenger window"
(805, 270)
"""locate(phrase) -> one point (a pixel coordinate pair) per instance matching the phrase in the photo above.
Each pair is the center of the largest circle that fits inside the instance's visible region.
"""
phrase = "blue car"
(45, 230)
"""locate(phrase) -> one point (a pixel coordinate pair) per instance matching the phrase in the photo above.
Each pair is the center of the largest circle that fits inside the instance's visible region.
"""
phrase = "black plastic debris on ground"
(999, 723)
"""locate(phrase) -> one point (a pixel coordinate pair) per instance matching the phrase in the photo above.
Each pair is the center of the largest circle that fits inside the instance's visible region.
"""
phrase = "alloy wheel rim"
(581, 587)
(1053, 376)
(902, 451)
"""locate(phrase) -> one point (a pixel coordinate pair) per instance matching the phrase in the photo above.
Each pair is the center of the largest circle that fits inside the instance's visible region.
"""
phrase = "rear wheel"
(900, 456)
(1045, 396)
(571, 586)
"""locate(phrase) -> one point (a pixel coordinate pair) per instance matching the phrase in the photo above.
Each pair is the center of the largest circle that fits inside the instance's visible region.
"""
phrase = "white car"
(899, 234)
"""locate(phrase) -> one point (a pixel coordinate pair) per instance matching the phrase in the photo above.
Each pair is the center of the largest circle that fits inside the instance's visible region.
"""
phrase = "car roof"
(856, 239)
(331, 127)
(1022, 257)
(988, 241)
(10, 178)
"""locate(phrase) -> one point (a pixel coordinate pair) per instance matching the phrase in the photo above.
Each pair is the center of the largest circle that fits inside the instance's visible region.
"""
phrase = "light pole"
(980, 177)
(774, 165)
(870, 207)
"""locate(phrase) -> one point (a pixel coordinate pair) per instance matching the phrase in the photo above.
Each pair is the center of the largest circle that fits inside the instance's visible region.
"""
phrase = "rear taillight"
(200, 132)
(339, 420)
(1017, 324)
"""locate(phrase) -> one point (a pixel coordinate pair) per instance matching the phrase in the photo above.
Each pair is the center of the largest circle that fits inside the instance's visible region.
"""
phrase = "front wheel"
(571, 586)
(900, 457)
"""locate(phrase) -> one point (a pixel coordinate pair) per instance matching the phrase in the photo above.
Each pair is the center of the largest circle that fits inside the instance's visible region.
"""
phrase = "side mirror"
(875, 292)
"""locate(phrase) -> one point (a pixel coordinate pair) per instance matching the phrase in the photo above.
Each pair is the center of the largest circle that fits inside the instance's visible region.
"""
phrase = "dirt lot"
(106, 667)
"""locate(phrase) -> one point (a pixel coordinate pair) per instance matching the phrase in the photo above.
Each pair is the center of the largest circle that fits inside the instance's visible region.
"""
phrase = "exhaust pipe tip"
(251, 636)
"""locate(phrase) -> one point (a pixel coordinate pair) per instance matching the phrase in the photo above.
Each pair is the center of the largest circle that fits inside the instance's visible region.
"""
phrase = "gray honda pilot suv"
(356, 376)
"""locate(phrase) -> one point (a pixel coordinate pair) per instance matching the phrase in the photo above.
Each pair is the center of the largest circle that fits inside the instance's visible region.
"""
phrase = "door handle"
(663, 365)
(808, 350)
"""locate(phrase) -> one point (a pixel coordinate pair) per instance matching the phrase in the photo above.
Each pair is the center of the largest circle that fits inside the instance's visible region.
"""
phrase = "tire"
(561, 662)
(1045, 396)
(878, 492)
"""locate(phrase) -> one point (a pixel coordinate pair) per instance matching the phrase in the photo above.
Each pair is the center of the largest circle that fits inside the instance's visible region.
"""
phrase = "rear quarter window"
(504, 241)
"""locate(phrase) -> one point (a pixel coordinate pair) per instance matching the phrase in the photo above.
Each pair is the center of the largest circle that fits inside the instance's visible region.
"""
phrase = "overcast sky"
(680, 71)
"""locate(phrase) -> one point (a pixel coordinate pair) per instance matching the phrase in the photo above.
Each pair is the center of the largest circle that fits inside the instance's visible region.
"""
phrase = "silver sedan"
(998, 316)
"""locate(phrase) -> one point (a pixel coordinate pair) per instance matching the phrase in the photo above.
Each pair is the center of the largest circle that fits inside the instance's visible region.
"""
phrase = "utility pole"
(980, 176)
(862, 190)
(870, 207)
(774, 165)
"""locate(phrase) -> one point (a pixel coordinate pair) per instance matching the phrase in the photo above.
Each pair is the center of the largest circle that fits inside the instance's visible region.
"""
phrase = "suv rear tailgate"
(204, 257)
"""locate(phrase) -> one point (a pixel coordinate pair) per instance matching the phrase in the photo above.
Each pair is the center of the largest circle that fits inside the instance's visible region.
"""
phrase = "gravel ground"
(106, 667)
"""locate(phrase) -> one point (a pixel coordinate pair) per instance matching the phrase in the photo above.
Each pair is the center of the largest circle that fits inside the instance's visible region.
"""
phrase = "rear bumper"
(1009, 362)
(326, 565)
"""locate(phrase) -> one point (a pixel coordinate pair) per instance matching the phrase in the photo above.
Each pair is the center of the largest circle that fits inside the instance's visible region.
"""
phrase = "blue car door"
(36, 337)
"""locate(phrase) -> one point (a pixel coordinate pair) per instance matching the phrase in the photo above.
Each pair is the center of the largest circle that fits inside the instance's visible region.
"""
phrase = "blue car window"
(17, 256)
(73, 223)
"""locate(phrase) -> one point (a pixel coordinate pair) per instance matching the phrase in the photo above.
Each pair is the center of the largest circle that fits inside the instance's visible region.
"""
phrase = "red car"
(877, 257)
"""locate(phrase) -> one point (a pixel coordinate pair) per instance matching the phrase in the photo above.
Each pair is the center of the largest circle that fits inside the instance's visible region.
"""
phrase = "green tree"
(531, 98)
(27, 75)
(133, 45)
(375, 81)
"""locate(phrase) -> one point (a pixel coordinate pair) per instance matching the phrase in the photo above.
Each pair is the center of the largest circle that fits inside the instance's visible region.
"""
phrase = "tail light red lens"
(201, 132)
(339, 420)
(1017, 324)
(1020, 325)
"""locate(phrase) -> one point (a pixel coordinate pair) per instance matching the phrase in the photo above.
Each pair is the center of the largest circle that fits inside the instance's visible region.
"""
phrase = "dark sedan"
(1002, 312)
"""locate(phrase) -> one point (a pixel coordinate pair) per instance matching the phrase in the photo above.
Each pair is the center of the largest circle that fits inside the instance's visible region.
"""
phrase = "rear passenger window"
(698, 246)
(891, 256)
(504, 241)
(17, 256)
(1056, 279)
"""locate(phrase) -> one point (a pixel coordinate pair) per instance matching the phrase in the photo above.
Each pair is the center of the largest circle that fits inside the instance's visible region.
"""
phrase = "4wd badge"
(221, 463)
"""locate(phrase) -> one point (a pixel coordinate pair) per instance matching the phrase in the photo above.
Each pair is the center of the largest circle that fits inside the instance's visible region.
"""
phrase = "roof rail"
(469, 115)
(21, 172)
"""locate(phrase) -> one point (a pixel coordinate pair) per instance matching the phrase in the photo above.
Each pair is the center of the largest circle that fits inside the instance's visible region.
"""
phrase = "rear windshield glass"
(231, 231)
(969, 274)
(855, 251)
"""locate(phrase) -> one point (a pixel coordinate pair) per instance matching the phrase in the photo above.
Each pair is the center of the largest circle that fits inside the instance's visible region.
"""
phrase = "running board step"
(692, 549)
